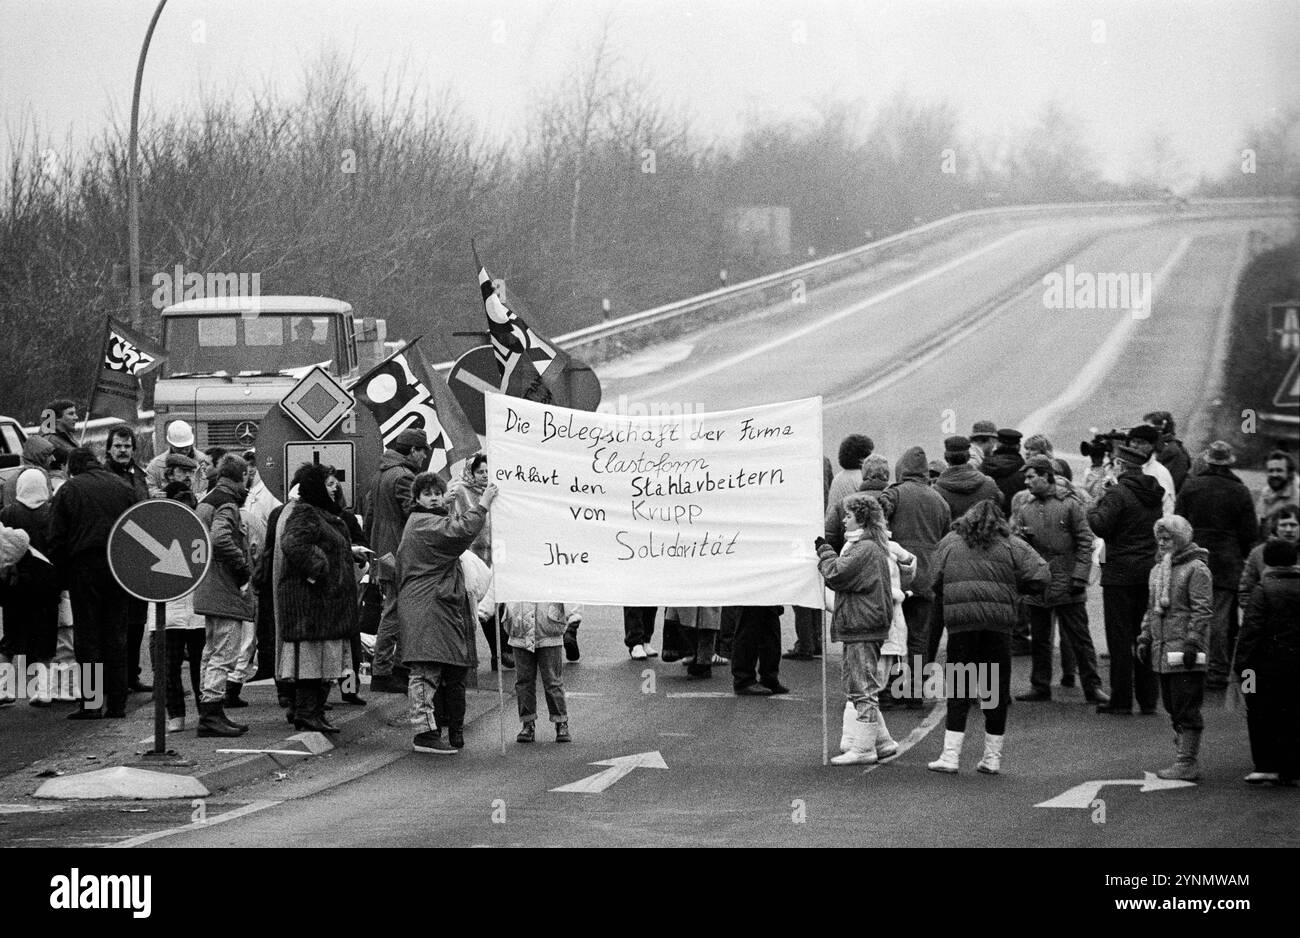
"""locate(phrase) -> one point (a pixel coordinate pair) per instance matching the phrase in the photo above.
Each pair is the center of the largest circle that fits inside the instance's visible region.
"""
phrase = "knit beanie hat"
(875, 472)
(32, 489)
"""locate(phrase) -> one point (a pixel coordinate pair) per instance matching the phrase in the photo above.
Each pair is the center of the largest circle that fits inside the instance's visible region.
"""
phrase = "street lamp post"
(133, 179)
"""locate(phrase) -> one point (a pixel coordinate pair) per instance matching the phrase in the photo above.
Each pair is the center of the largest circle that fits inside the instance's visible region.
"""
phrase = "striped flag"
(530, 365)
(403, 394)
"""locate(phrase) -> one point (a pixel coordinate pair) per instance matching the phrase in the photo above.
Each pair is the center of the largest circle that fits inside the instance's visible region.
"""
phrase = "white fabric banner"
(716, 509)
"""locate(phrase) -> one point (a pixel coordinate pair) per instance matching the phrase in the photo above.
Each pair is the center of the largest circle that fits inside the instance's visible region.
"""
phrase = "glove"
(1078, 587)
(1144, 653)
(1189, 655)
(820, 543)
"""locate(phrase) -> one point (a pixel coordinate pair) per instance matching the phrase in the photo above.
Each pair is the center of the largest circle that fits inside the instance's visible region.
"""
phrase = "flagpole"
(94, 386)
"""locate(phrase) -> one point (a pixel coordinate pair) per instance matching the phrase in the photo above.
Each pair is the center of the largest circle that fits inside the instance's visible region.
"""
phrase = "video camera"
(1102, 443)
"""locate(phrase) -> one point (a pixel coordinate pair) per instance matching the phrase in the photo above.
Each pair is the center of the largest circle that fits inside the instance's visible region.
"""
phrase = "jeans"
(1271, 716)
(638, 624)
(220, 653)
(1223, 632)
(246, 663)
(860, 678)
(1183, 692)
(548, 662)
(99, 626)
(427, 678)
(1124, 607)
(387, 653)
(182, 642)
(757, 642)
(1073, 619)
(990, 652)
(808, 630)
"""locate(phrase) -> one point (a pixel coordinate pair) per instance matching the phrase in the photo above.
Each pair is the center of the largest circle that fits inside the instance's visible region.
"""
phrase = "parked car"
(12, 439)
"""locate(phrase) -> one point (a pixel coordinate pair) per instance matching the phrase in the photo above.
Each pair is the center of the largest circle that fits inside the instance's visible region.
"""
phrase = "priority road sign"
(317, 402)
(159, 550)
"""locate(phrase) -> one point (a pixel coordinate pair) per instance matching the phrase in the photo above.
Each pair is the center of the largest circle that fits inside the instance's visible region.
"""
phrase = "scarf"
(467, 477)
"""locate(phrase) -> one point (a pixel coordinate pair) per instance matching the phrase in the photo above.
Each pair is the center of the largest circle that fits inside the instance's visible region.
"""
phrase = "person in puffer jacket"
(979, 572)
(536, 632)
(860, 577)
(1176, 634)
(1268, 664)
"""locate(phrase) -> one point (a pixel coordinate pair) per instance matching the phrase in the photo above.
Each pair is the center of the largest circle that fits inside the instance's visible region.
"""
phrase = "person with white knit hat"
(1176, 635)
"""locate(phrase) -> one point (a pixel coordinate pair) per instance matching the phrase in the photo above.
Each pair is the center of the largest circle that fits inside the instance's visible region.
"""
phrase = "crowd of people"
(1199, 580)
(997, 546)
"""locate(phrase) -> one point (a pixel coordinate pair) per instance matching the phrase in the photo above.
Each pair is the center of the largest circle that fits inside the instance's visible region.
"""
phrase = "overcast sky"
(1197, 70)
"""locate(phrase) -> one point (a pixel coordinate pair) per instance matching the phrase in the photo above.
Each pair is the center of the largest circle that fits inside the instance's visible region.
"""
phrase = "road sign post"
(159, 551)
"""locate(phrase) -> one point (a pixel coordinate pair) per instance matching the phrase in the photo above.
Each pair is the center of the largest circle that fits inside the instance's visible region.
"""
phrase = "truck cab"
(230, 359)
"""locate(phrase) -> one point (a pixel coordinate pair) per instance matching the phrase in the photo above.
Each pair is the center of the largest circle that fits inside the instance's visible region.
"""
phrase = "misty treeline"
(606, 192)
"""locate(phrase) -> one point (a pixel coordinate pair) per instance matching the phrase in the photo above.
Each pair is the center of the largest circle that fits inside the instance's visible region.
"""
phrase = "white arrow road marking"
(618, 767)
(1082, 796)
(231, 815)
(171, 560)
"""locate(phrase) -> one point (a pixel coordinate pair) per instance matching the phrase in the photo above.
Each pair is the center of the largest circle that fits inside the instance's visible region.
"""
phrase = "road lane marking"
(854, 309)
(618, 767)
(239, 812)
(1083, 795)
(1094, 371)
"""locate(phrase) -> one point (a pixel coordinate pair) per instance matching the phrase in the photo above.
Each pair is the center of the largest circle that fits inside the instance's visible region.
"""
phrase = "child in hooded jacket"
(536, 632)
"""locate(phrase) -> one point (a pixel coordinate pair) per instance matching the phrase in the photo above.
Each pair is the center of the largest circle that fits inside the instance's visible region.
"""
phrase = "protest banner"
(702, 509)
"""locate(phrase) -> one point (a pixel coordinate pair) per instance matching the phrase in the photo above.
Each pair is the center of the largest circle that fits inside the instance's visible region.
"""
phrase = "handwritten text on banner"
(696, 510)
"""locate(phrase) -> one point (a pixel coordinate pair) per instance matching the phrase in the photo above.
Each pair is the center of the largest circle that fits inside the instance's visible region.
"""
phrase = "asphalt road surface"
(908, 352)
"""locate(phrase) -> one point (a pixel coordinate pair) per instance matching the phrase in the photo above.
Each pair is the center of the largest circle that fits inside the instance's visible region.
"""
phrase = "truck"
(230, 359)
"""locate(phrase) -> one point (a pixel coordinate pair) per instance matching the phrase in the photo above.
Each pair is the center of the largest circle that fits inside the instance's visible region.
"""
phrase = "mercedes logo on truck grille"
(246, 432)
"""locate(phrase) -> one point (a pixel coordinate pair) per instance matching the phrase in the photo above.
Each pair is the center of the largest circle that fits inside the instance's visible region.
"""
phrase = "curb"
(376, 716)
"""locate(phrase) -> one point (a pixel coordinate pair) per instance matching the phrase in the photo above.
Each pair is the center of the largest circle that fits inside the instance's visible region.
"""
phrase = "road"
(908, 353)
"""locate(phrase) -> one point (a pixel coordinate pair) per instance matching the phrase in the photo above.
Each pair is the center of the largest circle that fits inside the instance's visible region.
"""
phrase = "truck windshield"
(263, 343)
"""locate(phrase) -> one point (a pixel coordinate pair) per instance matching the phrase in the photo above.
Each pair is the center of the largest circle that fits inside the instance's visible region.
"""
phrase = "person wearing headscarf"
(1176, 635)
(29, 599)
(315, 596)
(465, 493)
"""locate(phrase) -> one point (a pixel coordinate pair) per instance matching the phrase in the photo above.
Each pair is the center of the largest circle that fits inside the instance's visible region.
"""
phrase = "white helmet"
(180, 434)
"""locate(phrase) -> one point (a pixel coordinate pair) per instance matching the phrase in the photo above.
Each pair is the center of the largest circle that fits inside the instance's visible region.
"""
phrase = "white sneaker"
(1260, 778)
(638, 652)
(650, 652)
(176, 725)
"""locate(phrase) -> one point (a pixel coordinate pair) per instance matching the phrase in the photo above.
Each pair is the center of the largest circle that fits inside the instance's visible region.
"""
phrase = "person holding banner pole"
(437, 615)
(861, 578)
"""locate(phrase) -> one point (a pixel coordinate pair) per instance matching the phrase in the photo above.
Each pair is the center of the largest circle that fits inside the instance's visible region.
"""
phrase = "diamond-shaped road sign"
(317, 402)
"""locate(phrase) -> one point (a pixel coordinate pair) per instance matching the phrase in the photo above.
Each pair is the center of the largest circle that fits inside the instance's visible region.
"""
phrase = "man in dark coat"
(120, 450)
(961, 484)
(1006, 467)
(1054, 525)
(84, 510)
(1222, 515)
(388, 505)
(918, 519)
(58, 426)
(1268, 661)
(1125, 516)
(1169, 449)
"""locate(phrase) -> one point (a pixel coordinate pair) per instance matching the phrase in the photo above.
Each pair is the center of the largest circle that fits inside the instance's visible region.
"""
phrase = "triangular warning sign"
(1288, 393)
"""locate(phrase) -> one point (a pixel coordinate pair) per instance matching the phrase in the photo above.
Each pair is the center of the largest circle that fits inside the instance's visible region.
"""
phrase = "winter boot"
(951, 755)
(886, 745)
(221, 715)
(211, 723)
(232, 695)
(862, 748)
(1185, 768)
(847, 726)
(323, 689)
(305, 714)
(991, 764)
(528, 733)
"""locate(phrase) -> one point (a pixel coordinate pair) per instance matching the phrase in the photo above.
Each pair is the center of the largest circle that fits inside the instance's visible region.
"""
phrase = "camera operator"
(1169, 449)
(1102, 475)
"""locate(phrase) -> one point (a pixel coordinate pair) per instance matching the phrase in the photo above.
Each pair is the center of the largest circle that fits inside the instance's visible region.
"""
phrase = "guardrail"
(603, 340)
(617, 336)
